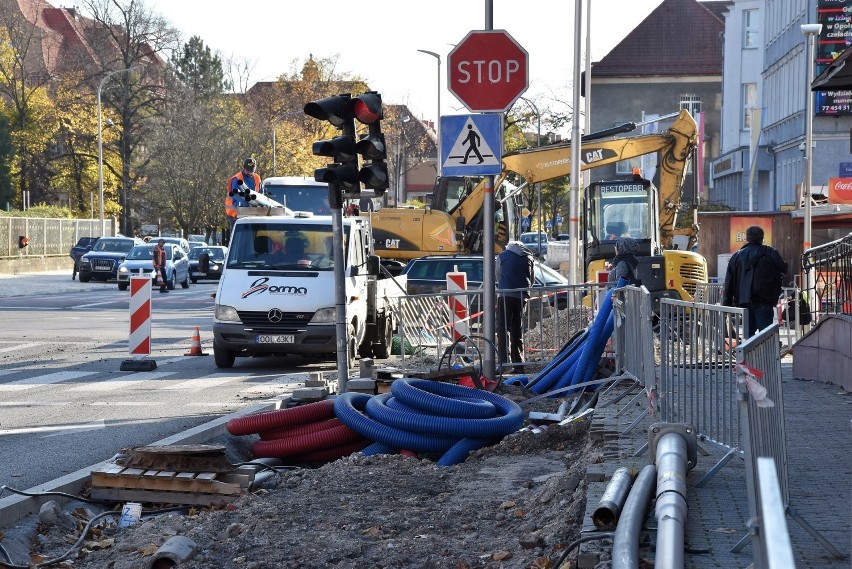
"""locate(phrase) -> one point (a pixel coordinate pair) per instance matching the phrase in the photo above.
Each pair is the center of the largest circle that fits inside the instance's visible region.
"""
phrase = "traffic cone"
(195, 348)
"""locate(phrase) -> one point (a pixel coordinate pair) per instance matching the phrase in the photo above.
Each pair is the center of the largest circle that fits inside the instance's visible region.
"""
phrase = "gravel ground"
(518, 503)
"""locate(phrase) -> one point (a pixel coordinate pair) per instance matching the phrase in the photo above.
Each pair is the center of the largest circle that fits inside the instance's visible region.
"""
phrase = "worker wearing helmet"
(233, 200)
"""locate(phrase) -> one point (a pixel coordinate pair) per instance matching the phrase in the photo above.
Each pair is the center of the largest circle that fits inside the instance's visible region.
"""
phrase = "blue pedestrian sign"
(471, 145)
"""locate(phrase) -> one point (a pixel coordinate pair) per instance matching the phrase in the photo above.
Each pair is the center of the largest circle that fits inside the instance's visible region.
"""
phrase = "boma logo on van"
(262, 285)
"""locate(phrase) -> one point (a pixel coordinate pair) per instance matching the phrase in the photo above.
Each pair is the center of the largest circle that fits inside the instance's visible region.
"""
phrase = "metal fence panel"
(47, 236)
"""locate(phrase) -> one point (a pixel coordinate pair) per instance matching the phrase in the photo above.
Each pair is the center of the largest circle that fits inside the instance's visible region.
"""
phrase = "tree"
(126, 34)
(199, 69)
(7, 153)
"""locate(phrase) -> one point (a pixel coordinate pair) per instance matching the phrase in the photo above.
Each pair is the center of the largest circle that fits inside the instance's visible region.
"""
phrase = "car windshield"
(282, 246)
(140, 253)
(548, 277)
(215, 253)
(113, 245)
(532, 238)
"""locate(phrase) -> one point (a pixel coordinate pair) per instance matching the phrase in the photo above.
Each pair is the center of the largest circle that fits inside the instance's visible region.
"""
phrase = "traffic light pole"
(335, 201)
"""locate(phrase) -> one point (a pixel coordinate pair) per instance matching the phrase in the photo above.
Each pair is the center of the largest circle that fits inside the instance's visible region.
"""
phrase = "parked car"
(427, 275)
(216, 262)
(83, 246)
(535, 242)
(140, 261)
(101, 263)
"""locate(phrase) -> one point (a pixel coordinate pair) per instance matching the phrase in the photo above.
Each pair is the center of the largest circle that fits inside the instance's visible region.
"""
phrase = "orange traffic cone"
(195, 348)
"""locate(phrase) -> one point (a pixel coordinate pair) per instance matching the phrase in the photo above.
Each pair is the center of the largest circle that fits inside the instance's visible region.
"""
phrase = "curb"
(16, 507)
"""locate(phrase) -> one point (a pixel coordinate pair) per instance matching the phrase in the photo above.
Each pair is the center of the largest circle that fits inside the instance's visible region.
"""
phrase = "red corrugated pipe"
(260, 422)
(291, 446)
(305, 429)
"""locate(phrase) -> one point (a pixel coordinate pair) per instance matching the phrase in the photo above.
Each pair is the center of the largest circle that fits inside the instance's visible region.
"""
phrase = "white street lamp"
(437, 116)
(810, 31)
(538, 143)
(101, 143)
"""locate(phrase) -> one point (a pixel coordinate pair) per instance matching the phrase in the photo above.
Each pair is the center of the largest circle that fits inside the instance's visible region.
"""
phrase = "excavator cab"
(620, 208)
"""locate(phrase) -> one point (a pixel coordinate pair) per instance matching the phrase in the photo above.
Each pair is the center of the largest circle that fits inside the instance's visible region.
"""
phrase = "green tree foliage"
(7, 154)
(200, 69)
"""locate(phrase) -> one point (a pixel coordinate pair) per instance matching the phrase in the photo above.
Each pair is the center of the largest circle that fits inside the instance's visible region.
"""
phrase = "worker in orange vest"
(233, 200)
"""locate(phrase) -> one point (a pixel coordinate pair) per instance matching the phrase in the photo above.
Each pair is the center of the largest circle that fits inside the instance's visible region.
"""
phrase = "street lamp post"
(101, 143)
(438, 116)
(810, 31)
(399, 157)
(538, 143)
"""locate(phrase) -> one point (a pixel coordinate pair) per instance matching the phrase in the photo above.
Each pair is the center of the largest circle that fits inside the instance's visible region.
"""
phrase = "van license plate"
(276, 339)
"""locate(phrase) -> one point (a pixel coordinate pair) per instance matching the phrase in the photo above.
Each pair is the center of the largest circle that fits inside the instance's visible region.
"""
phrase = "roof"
(837, 76)
(680, 37)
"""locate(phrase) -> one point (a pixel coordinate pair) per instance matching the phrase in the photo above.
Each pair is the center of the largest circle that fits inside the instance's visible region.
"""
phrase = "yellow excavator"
(453, 223)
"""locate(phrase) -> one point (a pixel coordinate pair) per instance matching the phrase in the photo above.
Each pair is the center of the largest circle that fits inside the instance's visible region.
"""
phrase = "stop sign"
(488, 71)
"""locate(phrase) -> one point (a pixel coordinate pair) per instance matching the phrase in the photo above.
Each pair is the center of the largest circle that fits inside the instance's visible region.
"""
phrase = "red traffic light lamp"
(368, 110)
(23, 241)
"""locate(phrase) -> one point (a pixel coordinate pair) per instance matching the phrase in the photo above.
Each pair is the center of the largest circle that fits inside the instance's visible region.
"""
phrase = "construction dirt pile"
(519, 503)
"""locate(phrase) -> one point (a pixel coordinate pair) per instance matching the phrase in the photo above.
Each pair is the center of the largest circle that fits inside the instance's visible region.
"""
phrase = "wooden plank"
(133, 472)
(157, 497)
(185, 475)
(244, 479)
(151, 473)
(111, 469)
(206, 476)
(175, 484)
(166, 474)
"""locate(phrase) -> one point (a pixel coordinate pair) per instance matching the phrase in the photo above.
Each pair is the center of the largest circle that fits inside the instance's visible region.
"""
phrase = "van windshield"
(282, 246)
(300, 198)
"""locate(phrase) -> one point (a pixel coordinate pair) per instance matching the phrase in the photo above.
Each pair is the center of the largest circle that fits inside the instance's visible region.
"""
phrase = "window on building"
(691, 103)
(626, 166)
(749, 103)
(750, 28)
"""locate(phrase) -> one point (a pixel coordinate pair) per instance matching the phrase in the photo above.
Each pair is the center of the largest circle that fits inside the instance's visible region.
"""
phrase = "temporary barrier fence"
(775, 549)
(697, 373)
(47, 236)
(633, 346)
(760, 398)
(830, 267)
(551, 317)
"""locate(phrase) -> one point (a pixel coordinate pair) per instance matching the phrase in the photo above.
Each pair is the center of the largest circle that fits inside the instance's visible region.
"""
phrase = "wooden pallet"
(119, 483)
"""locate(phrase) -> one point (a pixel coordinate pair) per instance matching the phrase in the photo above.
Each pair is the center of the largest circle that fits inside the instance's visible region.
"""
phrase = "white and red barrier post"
(458, 304)
(140, 326)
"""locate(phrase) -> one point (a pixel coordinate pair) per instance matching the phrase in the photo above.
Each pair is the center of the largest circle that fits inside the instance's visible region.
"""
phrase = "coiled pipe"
(307, 428)
(259, 422)
(671, 459)
(625, 546)
(292, 446)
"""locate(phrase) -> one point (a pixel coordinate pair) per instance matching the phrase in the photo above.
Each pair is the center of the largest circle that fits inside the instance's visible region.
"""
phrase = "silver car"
(140, 261)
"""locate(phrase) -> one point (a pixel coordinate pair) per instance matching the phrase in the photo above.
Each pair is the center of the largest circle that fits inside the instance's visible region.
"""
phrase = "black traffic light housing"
(342, 175)
(368, 110)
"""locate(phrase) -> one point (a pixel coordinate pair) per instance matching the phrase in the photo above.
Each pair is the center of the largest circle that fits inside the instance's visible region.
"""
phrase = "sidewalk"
(51, 281)
(818, 442)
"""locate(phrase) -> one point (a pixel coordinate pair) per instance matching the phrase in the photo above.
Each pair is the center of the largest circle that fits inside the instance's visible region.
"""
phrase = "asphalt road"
(65, 404)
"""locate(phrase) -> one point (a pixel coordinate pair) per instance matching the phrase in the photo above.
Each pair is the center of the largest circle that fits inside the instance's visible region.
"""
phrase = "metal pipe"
(609, 508)
(625, 546)
(671, 459)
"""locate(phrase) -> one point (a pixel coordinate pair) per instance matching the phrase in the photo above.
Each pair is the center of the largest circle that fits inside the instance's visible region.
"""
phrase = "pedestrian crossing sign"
(471, 145)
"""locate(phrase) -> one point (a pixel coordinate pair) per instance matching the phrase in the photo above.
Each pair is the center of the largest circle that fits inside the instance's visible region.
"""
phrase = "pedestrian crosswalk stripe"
(122, 381)
(40, 380)
(205, 382)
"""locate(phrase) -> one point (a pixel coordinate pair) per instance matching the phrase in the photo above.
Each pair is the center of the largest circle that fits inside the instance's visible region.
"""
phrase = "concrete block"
(361, 385)
(315, 379)
(366, 368)
(310, 393)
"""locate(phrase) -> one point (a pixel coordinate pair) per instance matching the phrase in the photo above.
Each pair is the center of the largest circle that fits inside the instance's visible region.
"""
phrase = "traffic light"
(368, 110)
(342, 175)
(22, 241)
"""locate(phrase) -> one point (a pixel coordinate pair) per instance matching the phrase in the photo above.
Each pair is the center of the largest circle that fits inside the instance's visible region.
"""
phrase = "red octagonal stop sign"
(488, 71)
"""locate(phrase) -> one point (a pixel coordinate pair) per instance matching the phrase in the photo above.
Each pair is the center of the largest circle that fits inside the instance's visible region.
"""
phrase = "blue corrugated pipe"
(430, 416)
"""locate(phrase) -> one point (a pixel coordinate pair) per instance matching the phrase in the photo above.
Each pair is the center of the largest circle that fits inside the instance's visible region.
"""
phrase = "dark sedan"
(215, 262)
(83, 246)
(101, 263)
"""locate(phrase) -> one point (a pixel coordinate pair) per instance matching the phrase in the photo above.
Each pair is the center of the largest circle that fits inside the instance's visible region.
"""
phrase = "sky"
(378, 40)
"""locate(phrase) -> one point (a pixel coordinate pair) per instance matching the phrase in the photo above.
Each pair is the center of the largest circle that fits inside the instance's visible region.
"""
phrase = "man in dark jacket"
(515, 275)
(739, 289)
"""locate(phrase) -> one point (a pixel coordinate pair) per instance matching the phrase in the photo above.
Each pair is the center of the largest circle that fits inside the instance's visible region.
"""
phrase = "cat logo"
(391, 243)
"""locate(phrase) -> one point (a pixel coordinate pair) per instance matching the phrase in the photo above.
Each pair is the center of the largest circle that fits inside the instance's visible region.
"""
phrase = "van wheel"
(185, 283)
(171, 282)
(381, 349)
(223, 358)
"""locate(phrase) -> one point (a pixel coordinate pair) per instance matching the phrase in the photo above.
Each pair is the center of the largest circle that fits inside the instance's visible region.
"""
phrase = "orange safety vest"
(230, 209)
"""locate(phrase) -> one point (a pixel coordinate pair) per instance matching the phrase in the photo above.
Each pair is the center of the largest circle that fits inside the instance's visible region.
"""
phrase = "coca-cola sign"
(840, 190)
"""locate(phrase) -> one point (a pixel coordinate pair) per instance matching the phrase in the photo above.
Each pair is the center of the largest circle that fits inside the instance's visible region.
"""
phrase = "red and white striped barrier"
(140, 316)
(458, 304)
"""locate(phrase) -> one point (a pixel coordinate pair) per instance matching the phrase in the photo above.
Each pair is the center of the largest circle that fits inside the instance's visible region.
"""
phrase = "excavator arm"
(539, 164)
